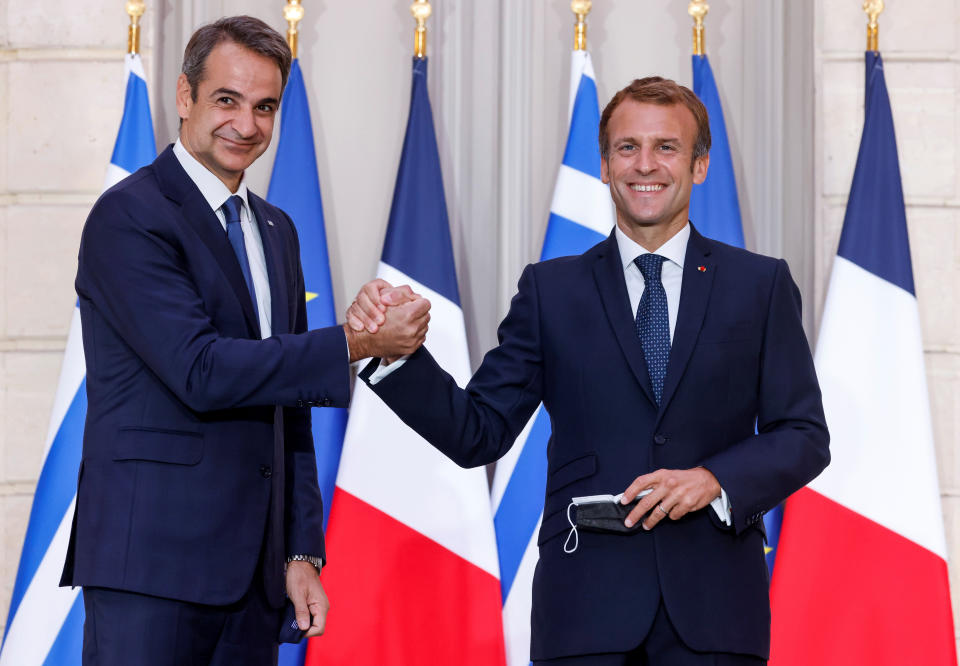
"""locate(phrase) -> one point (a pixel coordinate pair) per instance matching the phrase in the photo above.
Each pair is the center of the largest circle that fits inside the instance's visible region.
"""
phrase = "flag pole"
(698, 10)
(421, 11)
(292, 14)
(135, 9)
(581, 8)
(873, 9)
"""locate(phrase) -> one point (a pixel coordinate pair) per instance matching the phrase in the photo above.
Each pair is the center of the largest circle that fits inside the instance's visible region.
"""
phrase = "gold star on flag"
(767, 550)
(311, 295)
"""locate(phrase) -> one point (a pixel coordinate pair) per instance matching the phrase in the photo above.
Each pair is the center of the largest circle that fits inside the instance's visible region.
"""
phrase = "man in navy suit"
(656, 353)
(198, 509)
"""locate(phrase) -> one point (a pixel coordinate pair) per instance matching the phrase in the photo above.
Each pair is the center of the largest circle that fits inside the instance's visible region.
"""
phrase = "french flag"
(45, 624)
(861, 576)
(581, 215)
(412, 574)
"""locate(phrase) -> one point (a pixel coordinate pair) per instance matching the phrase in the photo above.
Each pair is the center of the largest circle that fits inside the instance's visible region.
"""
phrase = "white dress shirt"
(216, 194)
(671, 275)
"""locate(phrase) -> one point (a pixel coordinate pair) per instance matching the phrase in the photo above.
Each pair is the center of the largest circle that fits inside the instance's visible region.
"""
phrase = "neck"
(652, 237)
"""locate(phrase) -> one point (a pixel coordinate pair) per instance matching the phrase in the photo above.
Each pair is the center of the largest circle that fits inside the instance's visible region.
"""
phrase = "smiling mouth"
(646, 188)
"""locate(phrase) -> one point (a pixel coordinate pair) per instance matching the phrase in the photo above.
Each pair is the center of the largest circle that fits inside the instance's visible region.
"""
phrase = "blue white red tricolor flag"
(861, 570)
(45, 623)
(295, 188)
(581, 216)
(715, 209)
(412, 556)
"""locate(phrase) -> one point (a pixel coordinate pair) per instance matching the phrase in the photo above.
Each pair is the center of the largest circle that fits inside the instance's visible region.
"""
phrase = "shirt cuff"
(721, 506)
(384, 370)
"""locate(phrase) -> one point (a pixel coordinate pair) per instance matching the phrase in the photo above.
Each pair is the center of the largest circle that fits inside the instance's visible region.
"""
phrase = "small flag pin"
(702, 269)
(269, 223)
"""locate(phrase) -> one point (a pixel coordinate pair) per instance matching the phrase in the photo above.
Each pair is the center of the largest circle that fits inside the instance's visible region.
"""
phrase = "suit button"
(299, 403)
(659, 439)
(265, 471)
(326, 402)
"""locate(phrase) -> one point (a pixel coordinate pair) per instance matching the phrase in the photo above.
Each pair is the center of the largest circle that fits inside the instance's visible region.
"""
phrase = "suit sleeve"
(303, 501)
(476, 425)
(137, 278)
(791, 447)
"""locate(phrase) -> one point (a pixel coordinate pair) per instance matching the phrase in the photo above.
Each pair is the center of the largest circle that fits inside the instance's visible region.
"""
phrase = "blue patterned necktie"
(653, 322)
(231, 210)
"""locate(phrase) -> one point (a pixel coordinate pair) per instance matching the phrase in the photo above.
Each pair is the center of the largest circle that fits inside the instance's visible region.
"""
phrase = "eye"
(226, 101)
(667, 147)
(266, 108)
(626, 148)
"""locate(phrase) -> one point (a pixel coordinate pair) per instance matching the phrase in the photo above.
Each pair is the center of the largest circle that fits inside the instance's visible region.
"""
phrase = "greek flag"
(45, 623)
(581, 215)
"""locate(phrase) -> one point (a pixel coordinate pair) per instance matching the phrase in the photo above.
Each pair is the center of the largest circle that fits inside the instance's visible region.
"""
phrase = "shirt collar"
(211, 187)
(674, 249)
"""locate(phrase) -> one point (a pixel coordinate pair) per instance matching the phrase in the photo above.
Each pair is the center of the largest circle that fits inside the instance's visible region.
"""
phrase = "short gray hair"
(246, 31)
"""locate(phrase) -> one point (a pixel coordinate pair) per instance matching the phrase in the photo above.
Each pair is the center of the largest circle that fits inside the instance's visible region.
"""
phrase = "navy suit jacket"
(197, 452)
(739, 358)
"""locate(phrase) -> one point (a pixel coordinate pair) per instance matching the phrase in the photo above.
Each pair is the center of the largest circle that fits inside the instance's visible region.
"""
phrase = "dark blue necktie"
(231, 210)
(653, 321)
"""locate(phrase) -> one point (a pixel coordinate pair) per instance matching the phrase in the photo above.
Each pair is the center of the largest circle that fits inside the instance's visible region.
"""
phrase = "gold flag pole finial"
(581, 8)
(421, 11)
(135, 9)
(292, 14)
(698, 9)
(873, 9)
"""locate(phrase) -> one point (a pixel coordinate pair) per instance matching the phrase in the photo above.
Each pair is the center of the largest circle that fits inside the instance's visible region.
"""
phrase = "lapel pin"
(269, 223)
(702, 269)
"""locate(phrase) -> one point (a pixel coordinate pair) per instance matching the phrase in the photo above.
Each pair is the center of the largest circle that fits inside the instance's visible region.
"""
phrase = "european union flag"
(295, 187)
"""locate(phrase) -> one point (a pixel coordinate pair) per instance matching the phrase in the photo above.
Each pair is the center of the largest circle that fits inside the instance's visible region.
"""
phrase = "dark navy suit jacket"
(739, 358)
(197, 452)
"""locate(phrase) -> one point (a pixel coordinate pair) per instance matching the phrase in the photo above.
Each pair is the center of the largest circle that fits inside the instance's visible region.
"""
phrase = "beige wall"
(498, 81)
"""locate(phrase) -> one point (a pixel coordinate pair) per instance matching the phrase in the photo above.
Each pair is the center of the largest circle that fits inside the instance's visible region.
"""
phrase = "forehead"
(638, 119)
(235, 67)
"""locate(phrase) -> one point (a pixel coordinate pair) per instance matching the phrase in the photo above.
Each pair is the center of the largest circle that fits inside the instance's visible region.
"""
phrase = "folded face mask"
(600, 513)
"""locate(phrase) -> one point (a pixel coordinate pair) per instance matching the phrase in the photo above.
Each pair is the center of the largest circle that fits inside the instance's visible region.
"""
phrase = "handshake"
(386, 322)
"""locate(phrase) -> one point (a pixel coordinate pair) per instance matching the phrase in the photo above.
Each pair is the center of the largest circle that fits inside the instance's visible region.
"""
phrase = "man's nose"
(244, 123)
(645, 161)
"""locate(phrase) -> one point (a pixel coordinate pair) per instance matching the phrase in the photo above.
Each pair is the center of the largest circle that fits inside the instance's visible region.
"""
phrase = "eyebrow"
(656, 139)
(238, 95)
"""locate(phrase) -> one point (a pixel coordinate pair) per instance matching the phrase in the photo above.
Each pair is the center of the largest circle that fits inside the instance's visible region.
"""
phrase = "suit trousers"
(124, 628)
(662, 647)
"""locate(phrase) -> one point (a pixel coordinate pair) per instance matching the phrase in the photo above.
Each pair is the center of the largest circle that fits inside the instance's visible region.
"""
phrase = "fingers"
(301, 612)
(368, 309)
(398, 295)
(674, 494)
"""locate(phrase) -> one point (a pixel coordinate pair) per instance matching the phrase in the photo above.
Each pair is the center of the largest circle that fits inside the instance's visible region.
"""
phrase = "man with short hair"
(656, 354)
(198, 509)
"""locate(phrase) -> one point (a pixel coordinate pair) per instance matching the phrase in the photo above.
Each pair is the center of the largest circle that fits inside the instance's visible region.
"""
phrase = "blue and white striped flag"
(581, 215)
(45, 623)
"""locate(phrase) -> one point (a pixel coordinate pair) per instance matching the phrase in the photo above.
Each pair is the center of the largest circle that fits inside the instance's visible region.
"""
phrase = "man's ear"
(700, 169)
(184, 97)
(604, 170)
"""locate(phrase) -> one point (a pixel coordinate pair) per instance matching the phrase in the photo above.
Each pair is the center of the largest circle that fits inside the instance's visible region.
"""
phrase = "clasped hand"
(386, 321)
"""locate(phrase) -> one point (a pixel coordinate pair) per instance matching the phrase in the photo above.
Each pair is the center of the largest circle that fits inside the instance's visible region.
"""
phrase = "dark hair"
(246, 31)
(658, 90)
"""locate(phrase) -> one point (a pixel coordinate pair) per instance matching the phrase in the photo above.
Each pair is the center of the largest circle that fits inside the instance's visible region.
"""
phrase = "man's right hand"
(401, 329)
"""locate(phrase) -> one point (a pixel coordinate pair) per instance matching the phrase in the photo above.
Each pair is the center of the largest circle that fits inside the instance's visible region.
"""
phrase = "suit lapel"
(608, 272)
(694, 296)
(273, 253)
(176, 185)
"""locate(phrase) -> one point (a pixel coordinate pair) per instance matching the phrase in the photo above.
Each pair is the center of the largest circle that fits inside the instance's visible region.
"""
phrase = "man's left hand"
(309, 599)
(674, 494)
